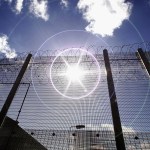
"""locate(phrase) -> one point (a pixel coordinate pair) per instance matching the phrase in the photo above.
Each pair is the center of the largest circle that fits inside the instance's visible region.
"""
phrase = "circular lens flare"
(75, 73)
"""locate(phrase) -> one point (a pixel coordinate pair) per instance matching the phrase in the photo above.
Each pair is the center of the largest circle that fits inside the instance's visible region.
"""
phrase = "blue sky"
(26, 24)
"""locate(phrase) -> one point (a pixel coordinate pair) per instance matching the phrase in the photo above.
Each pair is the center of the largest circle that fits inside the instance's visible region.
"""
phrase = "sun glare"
(70, 71)
(74, 73)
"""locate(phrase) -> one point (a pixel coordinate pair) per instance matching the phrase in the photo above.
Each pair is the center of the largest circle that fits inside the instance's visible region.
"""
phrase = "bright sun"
(74, 73)
(78, 72)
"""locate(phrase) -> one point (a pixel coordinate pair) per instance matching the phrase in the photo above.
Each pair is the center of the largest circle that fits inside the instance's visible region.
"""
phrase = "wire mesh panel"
(75, 140)
(137, 141)
(54, 105)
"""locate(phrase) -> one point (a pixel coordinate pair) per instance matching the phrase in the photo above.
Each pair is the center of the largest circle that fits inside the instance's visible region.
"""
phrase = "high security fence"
(49, 112)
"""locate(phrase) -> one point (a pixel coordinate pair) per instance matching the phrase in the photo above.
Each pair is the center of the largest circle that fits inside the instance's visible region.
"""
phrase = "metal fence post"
(14, 90)
(120, 145)
(144, 60)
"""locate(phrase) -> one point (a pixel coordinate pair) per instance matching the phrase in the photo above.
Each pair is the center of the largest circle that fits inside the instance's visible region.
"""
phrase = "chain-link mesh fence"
(51, 118)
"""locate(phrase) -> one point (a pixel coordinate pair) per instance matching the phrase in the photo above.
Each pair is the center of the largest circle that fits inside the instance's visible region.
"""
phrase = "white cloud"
(107, 127)
(5, 48)
(104, 16)
(19, 5)
(64, 3)
(111, 128)
(39, 9)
